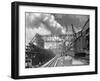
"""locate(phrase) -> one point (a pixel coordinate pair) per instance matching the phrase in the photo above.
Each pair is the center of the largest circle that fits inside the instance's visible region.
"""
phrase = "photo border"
(15, 39)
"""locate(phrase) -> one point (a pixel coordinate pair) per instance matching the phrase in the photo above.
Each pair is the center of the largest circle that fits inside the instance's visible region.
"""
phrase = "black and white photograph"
(51, 40)
(56, 40)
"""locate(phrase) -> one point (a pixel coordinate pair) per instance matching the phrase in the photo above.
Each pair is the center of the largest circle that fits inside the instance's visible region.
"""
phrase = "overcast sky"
(44, 24)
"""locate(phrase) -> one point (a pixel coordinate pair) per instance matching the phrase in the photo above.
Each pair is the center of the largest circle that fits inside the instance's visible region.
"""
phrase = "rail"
(50, 62)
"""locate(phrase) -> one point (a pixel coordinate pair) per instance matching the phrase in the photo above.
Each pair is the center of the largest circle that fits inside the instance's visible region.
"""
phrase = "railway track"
(52, 62)
(58, 61)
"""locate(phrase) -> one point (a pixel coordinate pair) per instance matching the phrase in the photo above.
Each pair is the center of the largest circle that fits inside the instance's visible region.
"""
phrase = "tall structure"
(81, 43)
(38, 41)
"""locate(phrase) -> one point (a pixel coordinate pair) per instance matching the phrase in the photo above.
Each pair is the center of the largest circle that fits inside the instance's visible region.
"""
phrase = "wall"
(5, 41)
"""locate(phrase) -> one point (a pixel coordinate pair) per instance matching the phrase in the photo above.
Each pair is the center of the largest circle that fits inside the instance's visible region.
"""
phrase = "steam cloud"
(43, 24)
(46, 24)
